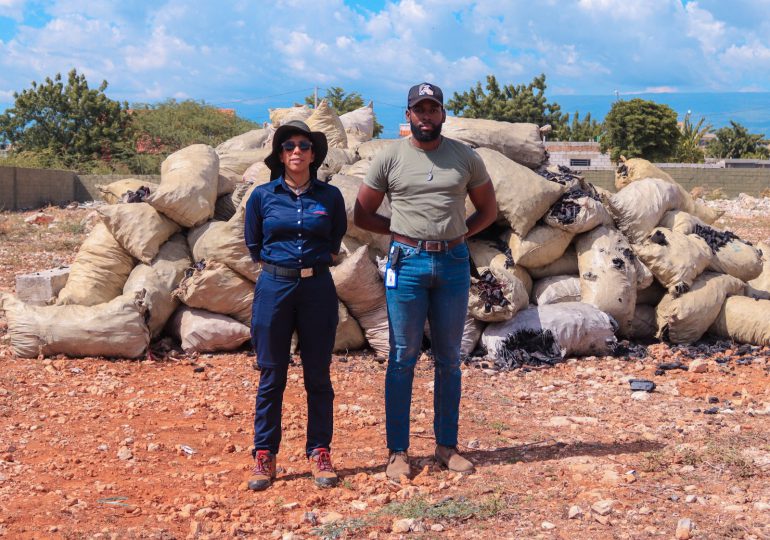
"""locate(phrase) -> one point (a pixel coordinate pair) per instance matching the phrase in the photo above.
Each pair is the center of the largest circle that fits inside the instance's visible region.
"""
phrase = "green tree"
(163, 128)
(69, 125)
(640, 128)
(586, 129)
(343, 102)
(689, 150)
(520, 103)
(735, 142)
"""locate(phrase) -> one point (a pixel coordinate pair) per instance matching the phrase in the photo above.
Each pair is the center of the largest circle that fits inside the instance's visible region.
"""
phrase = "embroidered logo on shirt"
(321, 213)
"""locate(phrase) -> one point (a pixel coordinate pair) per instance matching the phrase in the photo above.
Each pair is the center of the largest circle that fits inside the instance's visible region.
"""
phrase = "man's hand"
(365, 211)
(483, 199)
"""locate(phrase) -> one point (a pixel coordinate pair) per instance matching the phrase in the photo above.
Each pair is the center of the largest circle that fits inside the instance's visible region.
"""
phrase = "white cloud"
(13, 9)
(162, 51)
(702, 26)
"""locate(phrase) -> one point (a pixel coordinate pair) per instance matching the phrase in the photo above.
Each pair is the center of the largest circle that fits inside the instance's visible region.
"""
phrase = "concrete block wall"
(34, 188)
(86, 190)
(731, 181)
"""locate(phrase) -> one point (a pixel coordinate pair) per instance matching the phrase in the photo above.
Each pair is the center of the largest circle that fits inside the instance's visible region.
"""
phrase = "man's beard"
(422, 136)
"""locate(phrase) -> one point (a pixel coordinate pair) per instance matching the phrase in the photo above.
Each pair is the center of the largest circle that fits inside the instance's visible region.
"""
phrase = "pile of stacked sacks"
(567, 268)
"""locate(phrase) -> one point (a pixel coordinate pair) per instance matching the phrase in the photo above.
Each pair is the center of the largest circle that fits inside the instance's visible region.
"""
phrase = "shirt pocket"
(318, 220)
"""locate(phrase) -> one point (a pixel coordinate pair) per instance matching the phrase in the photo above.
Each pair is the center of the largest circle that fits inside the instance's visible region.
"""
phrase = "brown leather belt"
(428, 245)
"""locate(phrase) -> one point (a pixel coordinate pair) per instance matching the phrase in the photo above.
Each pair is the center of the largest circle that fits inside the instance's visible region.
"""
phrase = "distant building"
(577, 155)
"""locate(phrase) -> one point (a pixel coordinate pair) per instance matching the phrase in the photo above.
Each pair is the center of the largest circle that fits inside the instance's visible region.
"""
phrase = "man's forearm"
(477, 222)
(371, 221)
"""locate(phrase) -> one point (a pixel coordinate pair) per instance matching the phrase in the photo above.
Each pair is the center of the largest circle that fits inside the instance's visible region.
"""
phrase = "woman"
(294, 227)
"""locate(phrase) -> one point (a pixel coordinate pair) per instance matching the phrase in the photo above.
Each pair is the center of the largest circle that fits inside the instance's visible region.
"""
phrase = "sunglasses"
(289, 146)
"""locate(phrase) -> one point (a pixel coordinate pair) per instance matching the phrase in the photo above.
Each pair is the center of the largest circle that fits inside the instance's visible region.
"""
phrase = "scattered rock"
(683, 529)
(575, 512)
(547, 525)
(699, 365)
(401, 525)
(124, 453)
(602, 507)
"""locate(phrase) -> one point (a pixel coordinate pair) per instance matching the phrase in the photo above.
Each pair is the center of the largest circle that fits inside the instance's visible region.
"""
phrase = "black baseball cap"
(423, 91)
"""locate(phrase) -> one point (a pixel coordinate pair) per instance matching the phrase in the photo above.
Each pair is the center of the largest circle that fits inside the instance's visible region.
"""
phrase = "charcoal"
(563, 175)
(713, 399)
(490, 291)
(622, 170)
(668, 366)
(528, 348)
(626, 349)
(136, 196)
(618, 263)
(715, 239)
(711, 410)
(200, 265)
(566, 209)
(641, 385)
(659, 238)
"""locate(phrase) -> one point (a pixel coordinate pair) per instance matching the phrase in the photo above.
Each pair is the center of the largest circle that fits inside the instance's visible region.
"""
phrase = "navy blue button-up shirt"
(295, 231)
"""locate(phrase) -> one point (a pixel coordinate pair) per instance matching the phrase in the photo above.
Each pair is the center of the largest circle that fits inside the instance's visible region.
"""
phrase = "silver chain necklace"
(430, 173)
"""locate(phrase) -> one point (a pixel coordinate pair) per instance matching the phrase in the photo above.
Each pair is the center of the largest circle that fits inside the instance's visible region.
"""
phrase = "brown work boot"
(322, 469)
(398, 466)
(263, 473)
(449, 458)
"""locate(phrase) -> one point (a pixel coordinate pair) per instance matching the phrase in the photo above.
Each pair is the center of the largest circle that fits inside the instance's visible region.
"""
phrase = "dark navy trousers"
(281, 306)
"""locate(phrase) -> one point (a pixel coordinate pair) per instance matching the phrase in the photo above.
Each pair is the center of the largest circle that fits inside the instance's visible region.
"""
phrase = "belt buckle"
(306, 272)
(433, 245)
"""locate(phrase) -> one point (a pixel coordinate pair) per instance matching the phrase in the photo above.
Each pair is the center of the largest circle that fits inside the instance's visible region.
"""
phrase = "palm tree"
(689, 150)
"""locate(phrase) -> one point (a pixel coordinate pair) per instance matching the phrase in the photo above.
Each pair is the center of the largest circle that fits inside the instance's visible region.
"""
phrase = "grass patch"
(499, 426)
(654, 462)
(461, 508)
(338, 529)
(729, 457)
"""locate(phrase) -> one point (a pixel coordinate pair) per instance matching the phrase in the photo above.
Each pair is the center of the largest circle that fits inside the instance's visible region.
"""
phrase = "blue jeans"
(432, 285)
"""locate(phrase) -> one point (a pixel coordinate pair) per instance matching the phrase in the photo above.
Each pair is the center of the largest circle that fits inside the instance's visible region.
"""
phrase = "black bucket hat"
(320, 146)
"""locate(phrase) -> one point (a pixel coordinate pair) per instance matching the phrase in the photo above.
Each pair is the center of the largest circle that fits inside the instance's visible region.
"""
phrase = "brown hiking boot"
(398, 466)
(449, 458)
(322, 469)
(263, 473)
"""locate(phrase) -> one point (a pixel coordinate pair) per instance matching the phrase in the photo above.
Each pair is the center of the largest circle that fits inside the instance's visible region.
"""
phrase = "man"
(426, 178)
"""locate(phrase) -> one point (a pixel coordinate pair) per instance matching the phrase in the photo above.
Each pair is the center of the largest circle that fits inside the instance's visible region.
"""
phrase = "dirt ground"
(96, 448)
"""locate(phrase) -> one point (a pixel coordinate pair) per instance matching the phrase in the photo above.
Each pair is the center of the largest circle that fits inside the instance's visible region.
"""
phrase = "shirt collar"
(280, 182)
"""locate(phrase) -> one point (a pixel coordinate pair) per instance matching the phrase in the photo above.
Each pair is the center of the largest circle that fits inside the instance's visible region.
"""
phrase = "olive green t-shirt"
(427, 189)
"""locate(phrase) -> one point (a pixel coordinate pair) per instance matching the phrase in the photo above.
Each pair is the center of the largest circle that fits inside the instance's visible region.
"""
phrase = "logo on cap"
(425, 90)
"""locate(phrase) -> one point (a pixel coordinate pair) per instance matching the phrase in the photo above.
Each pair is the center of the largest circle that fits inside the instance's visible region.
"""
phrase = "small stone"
(124, 453)
(330, 517)
(762, 507)
(311, 518)
(559, 421)
(153, 447)
(437, 527)
(640, 396)
(690, 499)
(575, 512)
(401, 525)
(290, 506)
(699, 365)
(547, 525)
(602, 507)
(683, 529)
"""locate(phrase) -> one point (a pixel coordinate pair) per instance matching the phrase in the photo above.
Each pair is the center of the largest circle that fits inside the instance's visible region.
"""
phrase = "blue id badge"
(391, 275)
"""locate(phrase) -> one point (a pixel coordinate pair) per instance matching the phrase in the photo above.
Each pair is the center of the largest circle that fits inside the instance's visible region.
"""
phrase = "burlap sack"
(99, 271)
(744, 320)
(482, 251)
(471, 334)
(138, 227)
(608, 274)
(158, 280)
(371, 148)
(226, 205)
(586, 214)
(578, 329)
(348, 186)
(486, 311)
(680, 221)
(188, 185)
(686, 318)
(349, 336)
(542, 245)
(224, 242)
(216, 288)
(113, 192)
(286, 114)
(233, 165)
(523, 196)
(324, 119)
(630, 170)
(501, 267)
(651, 295)
(519, 142)
(201, 331)
(738, 259)
(250, 140)
(674, 259)
(644, 326)
(257, 174)
(360, 121)
(114, 329)
(644, 277)
(639, 207)
(555, 289)
(357, 169)
(567, 264)
(360, 288)
(336, 158)
(760, 288)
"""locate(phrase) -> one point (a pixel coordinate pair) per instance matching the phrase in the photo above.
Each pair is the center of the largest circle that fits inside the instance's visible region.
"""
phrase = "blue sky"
(252, 55)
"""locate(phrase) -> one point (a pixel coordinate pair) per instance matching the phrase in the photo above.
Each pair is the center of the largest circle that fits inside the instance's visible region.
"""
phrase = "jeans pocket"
(459, 252)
